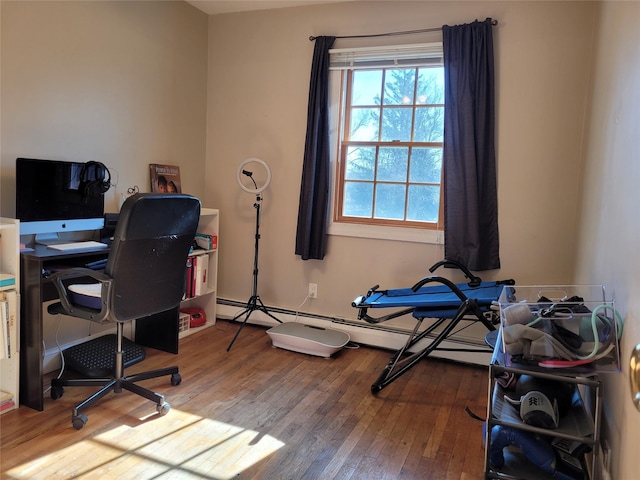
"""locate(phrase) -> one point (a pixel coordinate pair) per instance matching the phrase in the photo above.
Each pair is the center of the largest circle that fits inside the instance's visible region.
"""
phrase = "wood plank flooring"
(258, 412)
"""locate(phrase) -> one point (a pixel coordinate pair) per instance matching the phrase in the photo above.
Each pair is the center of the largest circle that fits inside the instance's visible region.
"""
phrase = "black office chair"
(144, 275)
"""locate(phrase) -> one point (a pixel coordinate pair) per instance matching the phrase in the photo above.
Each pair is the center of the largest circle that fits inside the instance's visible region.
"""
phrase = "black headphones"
(95, 179)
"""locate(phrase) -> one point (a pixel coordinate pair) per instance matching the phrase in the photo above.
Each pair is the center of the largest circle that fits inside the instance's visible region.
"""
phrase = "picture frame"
(165, 178)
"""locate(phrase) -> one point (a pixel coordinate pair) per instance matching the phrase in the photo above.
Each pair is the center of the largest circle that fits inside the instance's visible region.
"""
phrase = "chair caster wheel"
(176, 379)
(79, 421)
(163, 408)
(56, 392)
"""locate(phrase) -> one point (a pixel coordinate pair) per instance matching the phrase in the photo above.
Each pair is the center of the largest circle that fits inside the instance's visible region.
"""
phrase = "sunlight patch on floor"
(178, 445)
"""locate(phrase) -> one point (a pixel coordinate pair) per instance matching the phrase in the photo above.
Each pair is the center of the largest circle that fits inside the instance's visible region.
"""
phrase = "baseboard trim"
(391, 337)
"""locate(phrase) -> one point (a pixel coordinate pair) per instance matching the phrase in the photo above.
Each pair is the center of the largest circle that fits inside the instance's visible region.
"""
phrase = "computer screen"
(52, 197)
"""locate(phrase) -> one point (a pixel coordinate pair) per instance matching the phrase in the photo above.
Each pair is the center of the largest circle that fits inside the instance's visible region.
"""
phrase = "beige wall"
(259, 65)
(609, 228)
(123, 83)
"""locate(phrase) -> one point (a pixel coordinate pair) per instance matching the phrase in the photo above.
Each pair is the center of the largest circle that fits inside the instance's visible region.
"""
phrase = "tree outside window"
(390, 169)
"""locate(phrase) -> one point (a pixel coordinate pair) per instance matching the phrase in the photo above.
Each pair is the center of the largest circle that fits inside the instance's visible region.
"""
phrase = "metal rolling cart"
(580, 426)
(575, 439)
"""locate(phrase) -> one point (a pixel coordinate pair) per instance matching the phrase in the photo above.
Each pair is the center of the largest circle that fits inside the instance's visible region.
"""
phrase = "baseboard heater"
(312, 340)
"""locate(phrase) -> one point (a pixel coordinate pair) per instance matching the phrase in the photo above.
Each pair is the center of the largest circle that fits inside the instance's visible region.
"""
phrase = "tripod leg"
(254, 302)
(264, 310)
(251, 306)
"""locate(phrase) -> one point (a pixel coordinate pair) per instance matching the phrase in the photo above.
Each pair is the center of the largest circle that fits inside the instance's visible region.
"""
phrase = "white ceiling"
(213, 7)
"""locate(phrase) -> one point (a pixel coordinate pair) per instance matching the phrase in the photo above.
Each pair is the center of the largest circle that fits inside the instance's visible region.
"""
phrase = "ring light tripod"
(254, 302)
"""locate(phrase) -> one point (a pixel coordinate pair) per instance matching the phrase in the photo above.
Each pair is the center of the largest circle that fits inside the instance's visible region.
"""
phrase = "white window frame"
(371, 56)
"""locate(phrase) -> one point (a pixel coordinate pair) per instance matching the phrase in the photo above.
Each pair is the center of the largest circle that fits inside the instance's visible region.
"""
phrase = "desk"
(159, 331)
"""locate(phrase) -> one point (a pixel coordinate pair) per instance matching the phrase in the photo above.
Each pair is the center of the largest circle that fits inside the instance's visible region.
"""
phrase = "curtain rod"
(390, 34)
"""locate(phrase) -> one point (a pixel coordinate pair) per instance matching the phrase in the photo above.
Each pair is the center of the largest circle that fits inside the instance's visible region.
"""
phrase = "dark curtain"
(311, 236)
(470, 190)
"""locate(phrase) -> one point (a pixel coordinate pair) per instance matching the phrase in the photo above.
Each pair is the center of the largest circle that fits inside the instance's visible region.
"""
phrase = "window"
(389, 159)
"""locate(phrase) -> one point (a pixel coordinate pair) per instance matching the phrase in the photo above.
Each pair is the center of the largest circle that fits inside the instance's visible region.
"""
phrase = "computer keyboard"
(98, 264)
(63, 247)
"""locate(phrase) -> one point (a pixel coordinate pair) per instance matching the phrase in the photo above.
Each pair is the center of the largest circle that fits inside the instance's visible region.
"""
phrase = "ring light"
(241, 171)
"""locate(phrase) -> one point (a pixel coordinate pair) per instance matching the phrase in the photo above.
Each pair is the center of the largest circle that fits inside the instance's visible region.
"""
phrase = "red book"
(7, 405)
(189, 287)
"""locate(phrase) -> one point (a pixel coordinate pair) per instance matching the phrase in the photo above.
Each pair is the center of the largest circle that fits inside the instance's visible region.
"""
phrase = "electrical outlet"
(313, 290)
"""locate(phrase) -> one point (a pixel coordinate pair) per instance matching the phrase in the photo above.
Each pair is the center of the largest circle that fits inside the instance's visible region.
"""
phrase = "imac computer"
(53, 197)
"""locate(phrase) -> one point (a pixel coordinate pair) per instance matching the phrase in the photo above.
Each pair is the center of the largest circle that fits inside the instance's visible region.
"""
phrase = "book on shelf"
(207, 241)
(188, 293)
(9, 344)
(7, 406)
(6, 401)
(3, 334)
(197, 275)
(7, 279)
(165, 178)
(201, 270)
(5, 397)
(6, 333)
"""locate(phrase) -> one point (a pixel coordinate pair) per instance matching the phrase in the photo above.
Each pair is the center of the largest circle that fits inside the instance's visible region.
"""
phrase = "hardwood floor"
(258, 412)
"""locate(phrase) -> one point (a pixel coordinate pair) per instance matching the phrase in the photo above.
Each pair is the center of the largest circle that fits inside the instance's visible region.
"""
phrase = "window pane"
(396, 124)
(367, 87)
(390, 201)
(364, 124)
(360, 163)
(392, 143)
(431, 85)
(426, 165)
(392, 164)
(429, 124)
(399, 86)
(423, 203)
(358, 199)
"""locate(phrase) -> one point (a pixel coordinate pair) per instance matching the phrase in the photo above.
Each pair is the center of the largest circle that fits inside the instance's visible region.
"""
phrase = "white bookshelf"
(10, 292)
(207, 299)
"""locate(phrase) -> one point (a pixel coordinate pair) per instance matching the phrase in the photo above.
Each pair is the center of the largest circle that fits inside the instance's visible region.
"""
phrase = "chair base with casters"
(96, 358)
(144, 276)
(116, 384)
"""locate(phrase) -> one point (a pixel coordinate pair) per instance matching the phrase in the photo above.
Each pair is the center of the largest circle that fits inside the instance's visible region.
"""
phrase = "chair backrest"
(148, 256)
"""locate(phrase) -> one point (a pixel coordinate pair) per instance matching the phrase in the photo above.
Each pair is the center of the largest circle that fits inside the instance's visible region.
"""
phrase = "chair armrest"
(66, 307)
